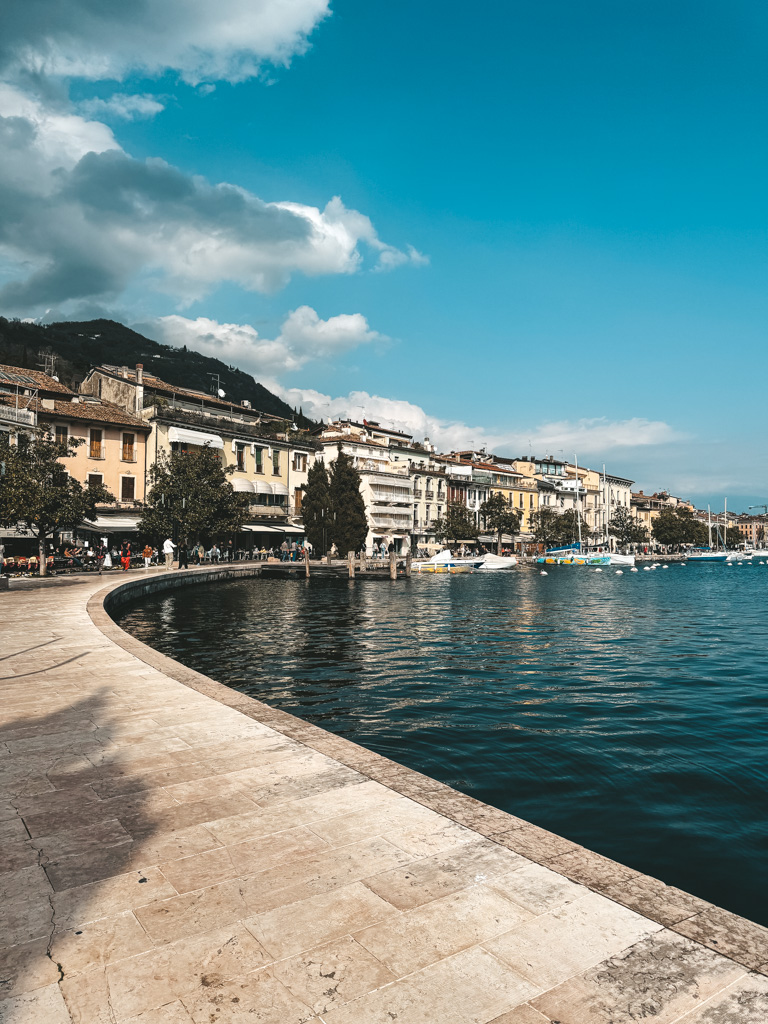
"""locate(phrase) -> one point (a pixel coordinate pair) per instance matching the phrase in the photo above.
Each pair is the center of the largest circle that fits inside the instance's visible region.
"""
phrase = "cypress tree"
(350, 525)
(316, 508)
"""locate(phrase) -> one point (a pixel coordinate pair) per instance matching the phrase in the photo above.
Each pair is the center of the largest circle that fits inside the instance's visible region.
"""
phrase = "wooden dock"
(366, 568)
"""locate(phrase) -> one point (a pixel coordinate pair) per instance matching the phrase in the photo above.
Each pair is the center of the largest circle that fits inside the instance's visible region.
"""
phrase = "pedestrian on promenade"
(230, 551)
(183, 556)
(125, 555)
(293, 550)
(284, 551)
(334, 552)
(100, 552)
(146, 554)
(200, 553)
(168, 547)
(2, 558)
(215, 554)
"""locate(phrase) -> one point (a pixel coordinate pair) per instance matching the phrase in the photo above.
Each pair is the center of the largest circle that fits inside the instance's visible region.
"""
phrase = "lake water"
(627, 712)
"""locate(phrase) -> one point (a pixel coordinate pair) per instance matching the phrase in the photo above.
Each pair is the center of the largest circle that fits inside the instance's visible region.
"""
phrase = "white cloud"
(124, 106)
(303, 337)
(82, 219)
(228, 40)
(587, 437)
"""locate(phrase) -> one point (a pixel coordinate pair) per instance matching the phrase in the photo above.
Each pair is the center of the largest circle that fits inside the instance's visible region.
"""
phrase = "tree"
(350, 524)
(500, 516)
(567, 526)
(458, 523)
(36, 490)
(544, 525)
(191, 498)
(676, 526)
(625, 528)
(316, 508)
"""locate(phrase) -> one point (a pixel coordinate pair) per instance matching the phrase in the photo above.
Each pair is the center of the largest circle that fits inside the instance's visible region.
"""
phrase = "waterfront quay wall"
(176, 852)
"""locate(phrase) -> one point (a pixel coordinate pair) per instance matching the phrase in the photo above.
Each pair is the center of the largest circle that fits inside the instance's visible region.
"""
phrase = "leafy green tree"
(625, 528)
(500, 516)
(190, 498)
(36, 490)
(350, 524)
(458, 523)
(677, 526)
(316, 508)
(567, 526)
(545, 527)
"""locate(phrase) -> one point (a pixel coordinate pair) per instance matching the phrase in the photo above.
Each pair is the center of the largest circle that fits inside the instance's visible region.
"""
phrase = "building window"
(96, 448)
(297, 494)
(299, 462)
(275, 463)
(127, 488)
(129, 447)
(61, 434)
(95, 479)
(522, 499)
(259, 460)
(530, 501)
(240, 456)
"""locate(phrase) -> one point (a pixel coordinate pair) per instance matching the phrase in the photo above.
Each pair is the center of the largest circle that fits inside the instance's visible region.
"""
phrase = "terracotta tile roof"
(42, 381)
(89, 412)
(156, 384)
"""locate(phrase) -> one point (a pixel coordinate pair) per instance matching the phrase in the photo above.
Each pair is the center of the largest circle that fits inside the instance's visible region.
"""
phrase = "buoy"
(619, 572)
(598, 570)
(542, 573)
(665, 567)
(633, 570)
(646, 568)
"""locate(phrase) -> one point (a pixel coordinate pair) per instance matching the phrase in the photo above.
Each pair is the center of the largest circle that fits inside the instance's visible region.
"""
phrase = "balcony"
(96, 450)
(129, 453)
(429, 495)
(418, 492)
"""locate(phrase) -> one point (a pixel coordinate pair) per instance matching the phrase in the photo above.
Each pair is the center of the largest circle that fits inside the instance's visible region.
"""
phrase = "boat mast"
(578, 498)
(709, 526)
(725, 526)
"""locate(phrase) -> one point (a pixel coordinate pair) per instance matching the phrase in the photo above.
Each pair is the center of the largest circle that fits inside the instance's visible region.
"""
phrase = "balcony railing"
(96, 450)
(429, 495)
(418, 492)
(129, 453)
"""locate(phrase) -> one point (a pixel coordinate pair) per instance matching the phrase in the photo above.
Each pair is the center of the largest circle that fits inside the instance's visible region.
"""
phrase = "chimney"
(124, 371)
(139, 392)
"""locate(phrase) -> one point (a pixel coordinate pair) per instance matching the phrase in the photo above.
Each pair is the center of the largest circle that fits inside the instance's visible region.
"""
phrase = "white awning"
(113, 524)
(262, 487)
(242, 485)
(197, 437)
(279, 488)
(258, 528)
(290, 529)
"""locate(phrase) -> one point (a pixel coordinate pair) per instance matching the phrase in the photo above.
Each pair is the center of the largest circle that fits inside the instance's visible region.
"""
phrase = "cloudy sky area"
(535, 227)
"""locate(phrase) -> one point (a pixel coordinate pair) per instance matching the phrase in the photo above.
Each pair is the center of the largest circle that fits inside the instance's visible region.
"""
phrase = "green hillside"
(78, 346)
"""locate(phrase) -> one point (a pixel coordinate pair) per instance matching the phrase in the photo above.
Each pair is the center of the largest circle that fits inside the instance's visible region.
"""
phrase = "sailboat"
(707, 554)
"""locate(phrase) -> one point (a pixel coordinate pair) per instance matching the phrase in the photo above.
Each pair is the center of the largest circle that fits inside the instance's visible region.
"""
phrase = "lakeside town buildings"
(129, 418)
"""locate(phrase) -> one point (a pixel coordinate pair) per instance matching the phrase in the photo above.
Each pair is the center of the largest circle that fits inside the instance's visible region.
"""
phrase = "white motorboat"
(444, 561)
(494, 562)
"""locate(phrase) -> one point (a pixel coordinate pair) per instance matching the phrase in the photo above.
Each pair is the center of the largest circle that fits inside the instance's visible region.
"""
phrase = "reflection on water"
(628, 713)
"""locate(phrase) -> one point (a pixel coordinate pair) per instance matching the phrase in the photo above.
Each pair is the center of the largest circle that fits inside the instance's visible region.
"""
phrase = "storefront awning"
(113, 524)
(258, 528)
(242, 485)
(197, 437)
(279, 488)
(262, 487)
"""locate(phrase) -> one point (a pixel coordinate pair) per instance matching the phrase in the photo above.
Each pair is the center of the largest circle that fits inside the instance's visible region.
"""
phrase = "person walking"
(146, 554)
(125, 555)
(183, 556)
(284, 551)
(168, 547)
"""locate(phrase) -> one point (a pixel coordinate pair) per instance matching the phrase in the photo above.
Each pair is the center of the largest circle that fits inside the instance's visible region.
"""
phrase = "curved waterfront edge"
(726, 933)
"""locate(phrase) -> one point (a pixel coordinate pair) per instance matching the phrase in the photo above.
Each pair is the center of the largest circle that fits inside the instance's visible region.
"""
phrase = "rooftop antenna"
(216, 388)
(48, 362)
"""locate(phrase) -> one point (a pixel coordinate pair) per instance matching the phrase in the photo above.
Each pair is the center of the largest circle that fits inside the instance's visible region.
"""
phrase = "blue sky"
(583, 187)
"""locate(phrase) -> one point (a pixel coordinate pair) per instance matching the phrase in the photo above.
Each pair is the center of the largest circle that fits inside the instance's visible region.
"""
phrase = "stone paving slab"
(174, 852)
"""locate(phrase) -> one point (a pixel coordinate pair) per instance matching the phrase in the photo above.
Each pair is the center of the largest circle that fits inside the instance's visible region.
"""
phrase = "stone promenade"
(175, 852)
